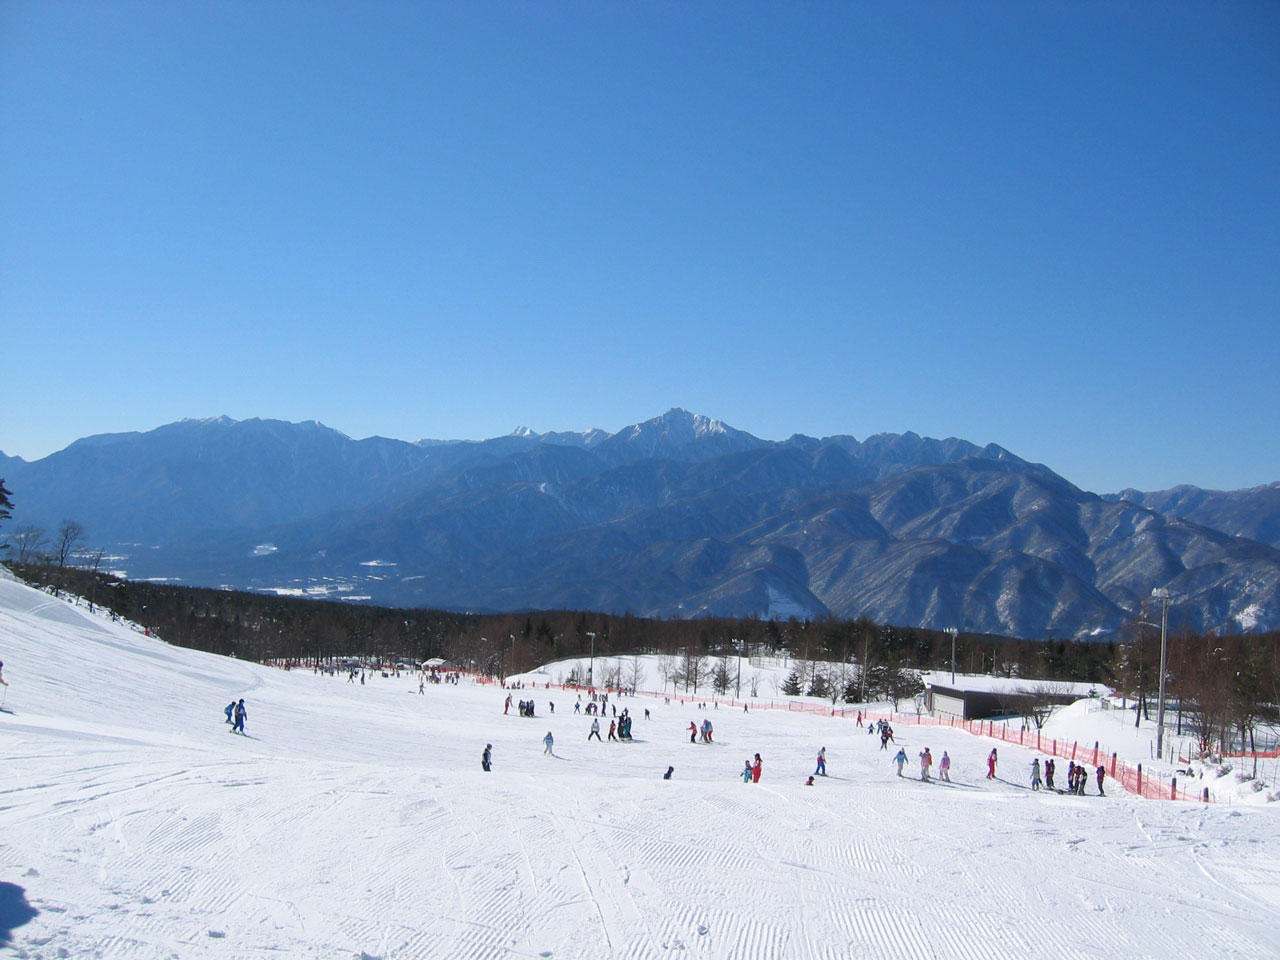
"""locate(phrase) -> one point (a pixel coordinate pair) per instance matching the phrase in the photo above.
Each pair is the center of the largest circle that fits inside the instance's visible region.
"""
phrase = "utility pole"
(953, 631)
(591, 669)
(738, 690)
(1161, 594)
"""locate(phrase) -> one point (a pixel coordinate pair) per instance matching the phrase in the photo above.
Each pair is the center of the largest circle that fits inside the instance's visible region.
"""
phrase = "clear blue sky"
(1053, 226)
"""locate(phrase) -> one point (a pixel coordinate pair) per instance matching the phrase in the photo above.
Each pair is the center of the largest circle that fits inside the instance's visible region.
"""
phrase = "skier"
(577, 707)
(755, 770)
(1035, 774)
(1101, 776)
(667, 775)
(884, 738)
(944, 768)
(822, 763)
(900, 758)
(231, 708)
(595, 729)
(809, 782)
(240, 715)
(1048, 773)
(506, 707)
(693, 732)
(549, 741)
(646, 713)
(926, 761)
(2, 679)
(991, 764)
(486, 757)
(746, 771)
(613, 730)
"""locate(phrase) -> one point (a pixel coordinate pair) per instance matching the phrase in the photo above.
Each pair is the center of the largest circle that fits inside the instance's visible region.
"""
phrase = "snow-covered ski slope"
(355, 822)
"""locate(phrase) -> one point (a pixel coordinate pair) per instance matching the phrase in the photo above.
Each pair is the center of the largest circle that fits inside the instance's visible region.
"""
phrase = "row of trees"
(1220, 688)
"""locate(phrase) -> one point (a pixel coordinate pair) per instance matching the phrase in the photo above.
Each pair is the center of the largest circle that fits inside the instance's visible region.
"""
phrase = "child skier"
(1035, 774)
(549, 741)
(822, 763)
(486, 757)
(900, 758)
(944, 768)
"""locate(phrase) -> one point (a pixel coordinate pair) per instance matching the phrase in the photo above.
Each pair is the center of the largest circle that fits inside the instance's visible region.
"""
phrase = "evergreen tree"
(791, 686)
(6, 505)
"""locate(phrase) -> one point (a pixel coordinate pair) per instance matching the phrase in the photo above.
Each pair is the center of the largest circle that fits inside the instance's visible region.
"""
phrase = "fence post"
(1173, 793)
(1206, 794)
(1113, 765)
(1139, 779)
(1095, 753)
(1073, 750)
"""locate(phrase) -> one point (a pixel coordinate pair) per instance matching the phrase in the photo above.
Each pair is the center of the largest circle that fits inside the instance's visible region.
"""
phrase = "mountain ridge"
(680, 515)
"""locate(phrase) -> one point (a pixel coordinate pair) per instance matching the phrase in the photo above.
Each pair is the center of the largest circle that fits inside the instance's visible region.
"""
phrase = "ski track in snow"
(357, 823)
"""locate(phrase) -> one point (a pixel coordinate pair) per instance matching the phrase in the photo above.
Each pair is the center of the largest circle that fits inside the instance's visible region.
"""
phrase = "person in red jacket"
(755, 770)
(693, 732)
(991, 764)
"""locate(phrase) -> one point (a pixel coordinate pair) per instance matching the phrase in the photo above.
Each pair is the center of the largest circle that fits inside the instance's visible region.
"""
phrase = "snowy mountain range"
(678, 516)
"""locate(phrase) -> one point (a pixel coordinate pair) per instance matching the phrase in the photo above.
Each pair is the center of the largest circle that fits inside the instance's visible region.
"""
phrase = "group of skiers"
(704, 731)
(235, 714)
(1077, 777)
(525, 707)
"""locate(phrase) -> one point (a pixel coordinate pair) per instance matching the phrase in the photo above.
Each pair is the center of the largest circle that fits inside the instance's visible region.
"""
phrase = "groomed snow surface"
(355, 822)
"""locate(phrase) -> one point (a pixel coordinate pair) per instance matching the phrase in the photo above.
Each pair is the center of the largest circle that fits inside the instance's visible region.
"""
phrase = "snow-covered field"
(355, 821)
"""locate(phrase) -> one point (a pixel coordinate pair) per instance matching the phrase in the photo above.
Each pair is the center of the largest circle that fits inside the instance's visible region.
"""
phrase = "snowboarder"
(667, 775)
(240, 715)
(549, 741)
(595, 729)
(1035, 774)
(900, 758)
(755, 770)
(944, 767)
(231, 708)
(991, 764)
(822, 763)
(486, 757)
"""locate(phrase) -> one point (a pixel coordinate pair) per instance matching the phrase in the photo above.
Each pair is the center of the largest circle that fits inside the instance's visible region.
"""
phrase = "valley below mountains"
(679, 516)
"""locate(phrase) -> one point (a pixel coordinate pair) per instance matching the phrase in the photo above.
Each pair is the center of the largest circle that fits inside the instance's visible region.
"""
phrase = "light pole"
(591, 669)
(1161, 594)
(738, 691)
(953, 631)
